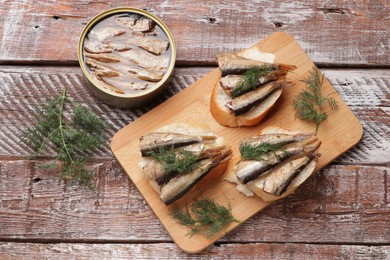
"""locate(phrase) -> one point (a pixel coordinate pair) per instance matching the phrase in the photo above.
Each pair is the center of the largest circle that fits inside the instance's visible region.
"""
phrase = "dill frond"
(175, 162)
(184, 218)
(85, 120)
(308, 104)
(208, 217)
(212, 217)
(256, 152)
(71, 138)
(250, 80)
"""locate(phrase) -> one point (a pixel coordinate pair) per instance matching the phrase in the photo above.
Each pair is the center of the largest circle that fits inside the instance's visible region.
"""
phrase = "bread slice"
(188, 129)
(225, 117)
(254, 53)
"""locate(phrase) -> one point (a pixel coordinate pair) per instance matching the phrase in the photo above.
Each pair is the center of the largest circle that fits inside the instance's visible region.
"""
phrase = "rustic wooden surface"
(342, 212)
(333, 32)
(193, 104)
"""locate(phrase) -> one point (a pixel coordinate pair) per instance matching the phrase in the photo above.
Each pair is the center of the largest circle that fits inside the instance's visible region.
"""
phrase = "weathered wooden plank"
(341, 204)
(22, 89)
(18, 251)
(375, 143)
(361, 87)
(333, 32)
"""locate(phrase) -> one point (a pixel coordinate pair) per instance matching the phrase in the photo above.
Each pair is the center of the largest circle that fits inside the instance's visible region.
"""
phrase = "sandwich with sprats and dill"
(275, 163)
(177, 156)
(248, 88)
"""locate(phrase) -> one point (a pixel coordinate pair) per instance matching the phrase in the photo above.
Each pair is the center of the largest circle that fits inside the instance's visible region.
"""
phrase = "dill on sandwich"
(250, 80)
(257, 151)
(175, 162)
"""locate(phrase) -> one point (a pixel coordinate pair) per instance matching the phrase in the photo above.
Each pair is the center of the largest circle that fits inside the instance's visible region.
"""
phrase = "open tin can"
(139, 82)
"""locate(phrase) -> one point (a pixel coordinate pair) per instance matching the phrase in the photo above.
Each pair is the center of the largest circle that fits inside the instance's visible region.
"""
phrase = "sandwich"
(275, 163)
(175, 157)
(248, 88)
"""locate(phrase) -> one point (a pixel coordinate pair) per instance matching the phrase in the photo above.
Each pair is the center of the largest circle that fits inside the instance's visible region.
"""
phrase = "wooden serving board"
(338, 134)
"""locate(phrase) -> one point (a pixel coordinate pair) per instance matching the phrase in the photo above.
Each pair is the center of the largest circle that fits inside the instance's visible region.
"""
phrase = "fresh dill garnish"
(250, 80)
(207, 218)
(309, 102)
(72, 138)
(184, 218)
(257, 151)
(181, 161)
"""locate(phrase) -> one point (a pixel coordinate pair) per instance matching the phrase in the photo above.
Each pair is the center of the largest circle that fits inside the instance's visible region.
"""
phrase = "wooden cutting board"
(341, 132)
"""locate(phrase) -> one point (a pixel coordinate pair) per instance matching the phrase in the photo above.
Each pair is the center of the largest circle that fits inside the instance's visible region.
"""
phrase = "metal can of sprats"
(127, 56)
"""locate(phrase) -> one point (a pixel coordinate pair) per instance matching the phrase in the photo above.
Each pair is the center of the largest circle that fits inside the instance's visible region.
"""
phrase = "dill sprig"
(184, 218)
(72, 138)
(309, 102)
(250, 80)
(257, 151)
(181, 161)
(207, 218)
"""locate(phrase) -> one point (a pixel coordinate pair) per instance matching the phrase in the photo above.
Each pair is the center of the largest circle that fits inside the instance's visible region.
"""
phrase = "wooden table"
(342, 212)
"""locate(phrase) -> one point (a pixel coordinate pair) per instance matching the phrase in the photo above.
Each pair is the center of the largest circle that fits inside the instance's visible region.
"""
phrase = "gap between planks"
(218, 243)
(182, 64)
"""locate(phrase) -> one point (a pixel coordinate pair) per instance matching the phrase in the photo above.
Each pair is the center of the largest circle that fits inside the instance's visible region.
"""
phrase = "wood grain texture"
(341, 204)
(16, 251)
(332, 32)
(340, 213)
(22, 89)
